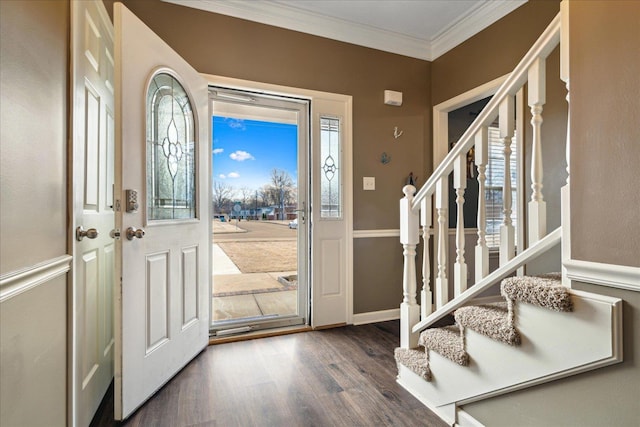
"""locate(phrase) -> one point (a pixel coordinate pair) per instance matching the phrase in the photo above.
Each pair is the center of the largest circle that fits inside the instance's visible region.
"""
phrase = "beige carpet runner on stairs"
(496, 321)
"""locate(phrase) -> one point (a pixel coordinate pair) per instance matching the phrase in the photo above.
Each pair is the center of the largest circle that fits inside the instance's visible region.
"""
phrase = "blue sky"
(245, 151)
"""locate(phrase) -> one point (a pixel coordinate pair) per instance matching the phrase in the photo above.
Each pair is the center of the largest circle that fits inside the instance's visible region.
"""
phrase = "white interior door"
(92, 218)
(162, 212)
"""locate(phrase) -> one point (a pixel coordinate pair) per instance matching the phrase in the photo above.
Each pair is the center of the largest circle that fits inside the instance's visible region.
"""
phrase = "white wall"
(33, 225)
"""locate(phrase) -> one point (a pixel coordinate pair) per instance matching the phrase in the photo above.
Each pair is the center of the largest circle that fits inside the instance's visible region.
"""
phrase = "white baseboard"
(376, 316)
(616, 276)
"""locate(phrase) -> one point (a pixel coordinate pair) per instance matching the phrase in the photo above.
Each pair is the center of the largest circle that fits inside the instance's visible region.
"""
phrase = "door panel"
(331, 255)
(189, 285)
(163, 311)
(92, 192)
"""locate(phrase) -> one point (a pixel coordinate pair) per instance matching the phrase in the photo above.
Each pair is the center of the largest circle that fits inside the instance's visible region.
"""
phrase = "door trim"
(442, 110)
(272, 89)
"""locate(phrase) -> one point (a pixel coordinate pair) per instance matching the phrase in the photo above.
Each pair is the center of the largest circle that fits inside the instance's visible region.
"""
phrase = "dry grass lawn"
(262, 257)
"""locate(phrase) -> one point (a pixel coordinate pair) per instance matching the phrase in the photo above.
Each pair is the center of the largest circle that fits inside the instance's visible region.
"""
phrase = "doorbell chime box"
(393, 98)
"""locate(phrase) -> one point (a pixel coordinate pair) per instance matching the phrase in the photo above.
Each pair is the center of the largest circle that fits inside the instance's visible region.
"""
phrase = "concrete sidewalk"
(237, 295)
(222, 264)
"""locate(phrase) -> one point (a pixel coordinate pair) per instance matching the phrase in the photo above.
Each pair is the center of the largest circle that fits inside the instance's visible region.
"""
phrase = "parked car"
(294, 223)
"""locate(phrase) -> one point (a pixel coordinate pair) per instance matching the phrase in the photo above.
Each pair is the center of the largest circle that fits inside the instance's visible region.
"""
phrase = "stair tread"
(447, 342)
(491, 320)
(544, 291)
(414, 359)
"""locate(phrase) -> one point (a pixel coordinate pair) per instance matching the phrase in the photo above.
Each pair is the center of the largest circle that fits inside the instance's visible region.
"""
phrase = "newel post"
(409, 234)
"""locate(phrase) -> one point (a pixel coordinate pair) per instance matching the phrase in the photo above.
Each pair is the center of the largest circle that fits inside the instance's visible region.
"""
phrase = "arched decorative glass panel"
(170, 151)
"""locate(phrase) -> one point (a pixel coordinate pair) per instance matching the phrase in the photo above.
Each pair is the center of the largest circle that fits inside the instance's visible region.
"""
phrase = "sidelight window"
(331, 168)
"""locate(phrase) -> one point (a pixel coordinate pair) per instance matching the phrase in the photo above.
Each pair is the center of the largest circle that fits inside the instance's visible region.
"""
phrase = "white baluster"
(460, 184)
(481, 160)
(409, 235)
(426, 306)
(442, 205)
(537, 98)
(507, 232)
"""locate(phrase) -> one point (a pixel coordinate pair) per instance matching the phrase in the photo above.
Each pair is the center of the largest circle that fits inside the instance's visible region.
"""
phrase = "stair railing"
(416, 208)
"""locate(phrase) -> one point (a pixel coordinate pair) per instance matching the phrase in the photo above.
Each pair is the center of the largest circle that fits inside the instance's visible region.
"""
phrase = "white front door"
(162, 213)
(92, 221)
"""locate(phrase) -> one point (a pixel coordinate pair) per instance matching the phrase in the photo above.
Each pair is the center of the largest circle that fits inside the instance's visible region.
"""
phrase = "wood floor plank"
(334, 377)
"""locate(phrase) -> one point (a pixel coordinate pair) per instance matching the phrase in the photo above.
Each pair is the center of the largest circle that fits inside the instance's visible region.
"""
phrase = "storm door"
(260, 223)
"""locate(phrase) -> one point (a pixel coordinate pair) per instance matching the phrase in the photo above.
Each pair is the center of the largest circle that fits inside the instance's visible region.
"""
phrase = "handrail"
(537, 249)
(545, 44)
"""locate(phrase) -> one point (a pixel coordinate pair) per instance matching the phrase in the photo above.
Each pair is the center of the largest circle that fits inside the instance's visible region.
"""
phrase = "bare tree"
(265, 195)
(281, 188)
(222, 194)
(246, 195)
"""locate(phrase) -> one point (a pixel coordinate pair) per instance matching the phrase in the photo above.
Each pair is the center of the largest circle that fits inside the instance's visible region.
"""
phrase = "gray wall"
(605, 135)
(33, 124)
(492, 52)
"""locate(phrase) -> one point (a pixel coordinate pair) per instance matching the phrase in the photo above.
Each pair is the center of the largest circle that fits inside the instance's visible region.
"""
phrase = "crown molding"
(284, 16)
(472, 23)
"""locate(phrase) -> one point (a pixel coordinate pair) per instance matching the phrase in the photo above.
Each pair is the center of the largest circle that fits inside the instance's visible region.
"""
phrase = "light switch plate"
(368, 183)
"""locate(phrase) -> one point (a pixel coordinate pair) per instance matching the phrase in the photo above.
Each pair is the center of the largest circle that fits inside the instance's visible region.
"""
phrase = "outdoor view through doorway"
(259, 185)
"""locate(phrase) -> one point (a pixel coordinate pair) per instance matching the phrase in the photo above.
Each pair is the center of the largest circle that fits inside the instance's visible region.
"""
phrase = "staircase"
(463, 349)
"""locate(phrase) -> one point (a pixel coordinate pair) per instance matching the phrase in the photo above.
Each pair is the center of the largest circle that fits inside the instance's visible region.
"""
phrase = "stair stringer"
(554, 345)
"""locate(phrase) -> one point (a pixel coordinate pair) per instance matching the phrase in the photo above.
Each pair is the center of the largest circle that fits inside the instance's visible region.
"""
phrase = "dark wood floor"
(335, 377)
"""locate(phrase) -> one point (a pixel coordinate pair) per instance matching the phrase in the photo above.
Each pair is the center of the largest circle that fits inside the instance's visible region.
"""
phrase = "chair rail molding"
(611, 275)
(367, 234)
(16, 282)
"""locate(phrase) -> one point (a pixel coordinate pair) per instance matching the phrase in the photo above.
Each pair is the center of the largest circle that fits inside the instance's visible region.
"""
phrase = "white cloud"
(235, 123)
(222, 176)
(218, 150)
(241, 156)
(233, 175)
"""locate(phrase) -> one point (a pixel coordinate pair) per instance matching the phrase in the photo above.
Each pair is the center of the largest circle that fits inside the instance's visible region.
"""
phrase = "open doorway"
(259, 194)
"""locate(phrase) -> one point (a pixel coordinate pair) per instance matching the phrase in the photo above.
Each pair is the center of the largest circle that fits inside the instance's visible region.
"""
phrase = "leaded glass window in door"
(330, 168)
(170, 151)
